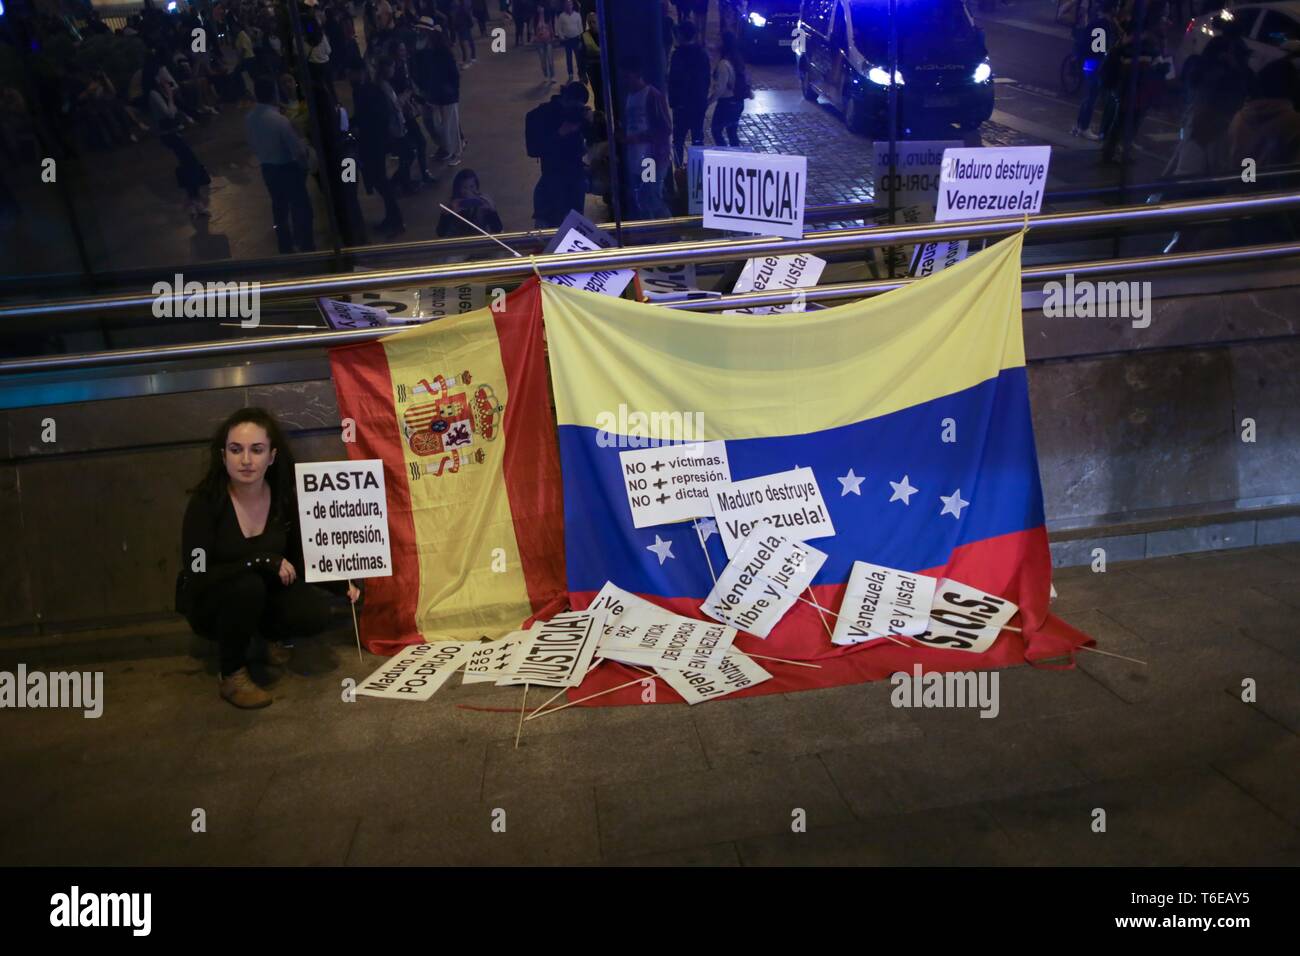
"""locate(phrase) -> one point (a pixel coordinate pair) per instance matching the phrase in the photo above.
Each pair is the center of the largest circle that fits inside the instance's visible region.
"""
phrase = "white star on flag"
(903, 491)
(952, 504)
(707, 528)
(849, 484)
(664, 549)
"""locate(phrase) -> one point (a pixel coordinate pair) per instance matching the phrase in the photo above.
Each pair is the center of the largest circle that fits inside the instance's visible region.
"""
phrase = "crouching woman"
(241, 554)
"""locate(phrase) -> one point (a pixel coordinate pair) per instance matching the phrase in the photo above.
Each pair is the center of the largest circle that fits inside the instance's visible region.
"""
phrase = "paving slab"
(986, 761)
(701, 808)
(950, 837)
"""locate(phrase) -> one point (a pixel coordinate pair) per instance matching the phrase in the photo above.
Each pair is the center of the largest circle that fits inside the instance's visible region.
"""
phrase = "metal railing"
(818, 294)
(825, 242)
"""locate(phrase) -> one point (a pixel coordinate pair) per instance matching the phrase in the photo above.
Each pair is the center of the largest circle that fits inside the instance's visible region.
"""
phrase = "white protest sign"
(772, 273)
(695, 176)
(415, 673)
(488, 661)
(435, 302)
(916, 169)
(762, 582)
(964, 618)
(914, 193)
(401, 306)
(556, 653)
(343, 516)
(671, 483)
(615, 603)
(351, 315)
(733, 673)
(579, 234)
(674, 283)
(984, 183)
(669, 641)
(585, 228)
(761, 193)
(790, 500)
(881, 601)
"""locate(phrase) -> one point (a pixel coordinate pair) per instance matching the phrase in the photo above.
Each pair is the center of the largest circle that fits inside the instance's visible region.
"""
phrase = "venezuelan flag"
(911, 408)
(459, 412)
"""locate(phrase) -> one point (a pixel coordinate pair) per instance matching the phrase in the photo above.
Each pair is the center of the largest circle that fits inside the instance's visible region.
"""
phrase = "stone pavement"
(1186, 772)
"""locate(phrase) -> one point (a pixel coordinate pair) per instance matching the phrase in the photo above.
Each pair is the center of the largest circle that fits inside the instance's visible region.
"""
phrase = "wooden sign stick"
(596, 663)
(635, 680)
(1094, 650)
(820, 612)
(1131, 660)
(700, 536)
(355, 629)
(780, 660)
(522, 705)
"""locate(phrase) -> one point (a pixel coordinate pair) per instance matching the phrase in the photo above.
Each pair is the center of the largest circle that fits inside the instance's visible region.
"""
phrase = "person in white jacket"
(568, 29)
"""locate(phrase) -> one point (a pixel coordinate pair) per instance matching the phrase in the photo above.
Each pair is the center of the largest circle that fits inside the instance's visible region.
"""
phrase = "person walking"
(543, 39)
(688, 90)
(284, 159)
(729, 90)
(591, 61)
(554, 134)
(647, 136)
(568, 28)
(373, 121)
(1102, 30)
(462, 25)
(438, 79)
(1131, 96)
(414, 145)
(480, 10)
(523, 12)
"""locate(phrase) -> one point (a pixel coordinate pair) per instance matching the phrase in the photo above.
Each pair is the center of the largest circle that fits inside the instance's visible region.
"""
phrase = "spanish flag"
(460, 413)
(911, 409)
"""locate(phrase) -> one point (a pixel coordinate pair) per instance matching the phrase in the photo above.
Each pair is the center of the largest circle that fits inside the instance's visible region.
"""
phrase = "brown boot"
(239, 689)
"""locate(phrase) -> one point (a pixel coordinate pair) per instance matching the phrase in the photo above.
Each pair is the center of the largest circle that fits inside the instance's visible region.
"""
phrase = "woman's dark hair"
(280, 473)
(462, 177)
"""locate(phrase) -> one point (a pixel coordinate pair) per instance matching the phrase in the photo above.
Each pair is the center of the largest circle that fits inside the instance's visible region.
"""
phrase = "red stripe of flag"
(364, 386)
(531, 467)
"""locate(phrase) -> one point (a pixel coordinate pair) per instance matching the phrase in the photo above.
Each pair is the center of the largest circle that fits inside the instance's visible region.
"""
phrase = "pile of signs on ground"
(767, 574)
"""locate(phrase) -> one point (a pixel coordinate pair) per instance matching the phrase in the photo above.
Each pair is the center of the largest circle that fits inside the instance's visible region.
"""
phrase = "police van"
(943, 79)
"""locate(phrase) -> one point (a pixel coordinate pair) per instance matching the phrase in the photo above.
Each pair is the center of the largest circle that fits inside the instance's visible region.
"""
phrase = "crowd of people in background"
(1229, 112)
(378, 82)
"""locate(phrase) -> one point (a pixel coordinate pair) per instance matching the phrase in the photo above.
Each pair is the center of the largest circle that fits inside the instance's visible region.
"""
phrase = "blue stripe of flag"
(993, 463)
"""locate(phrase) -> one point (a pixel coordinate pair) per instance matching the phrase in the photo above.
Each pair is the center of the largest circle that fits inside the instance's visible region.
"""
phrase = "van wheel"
(805, 84)
(853, 115)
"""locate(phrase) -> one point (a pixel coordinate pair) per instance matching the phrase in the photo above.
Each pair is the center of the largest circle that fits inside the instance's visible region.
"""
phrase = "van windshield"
(926, 29)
